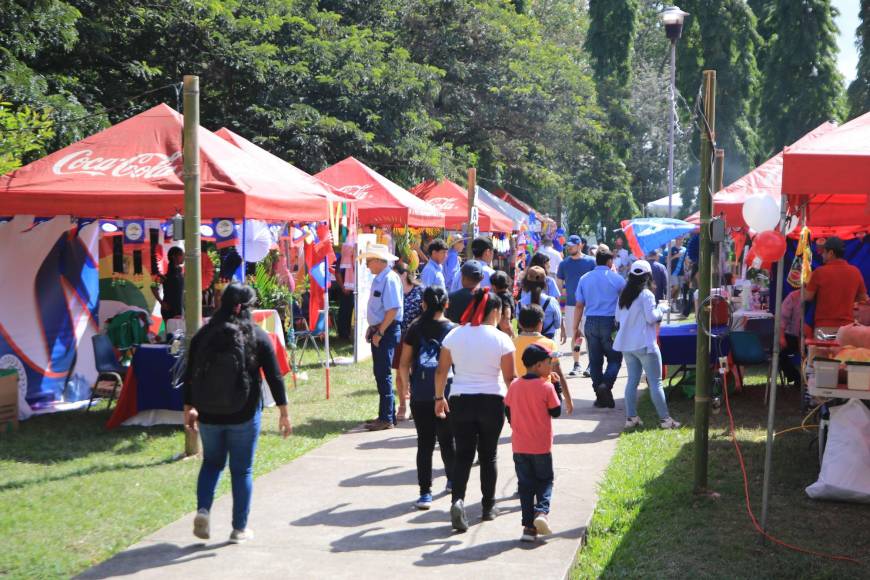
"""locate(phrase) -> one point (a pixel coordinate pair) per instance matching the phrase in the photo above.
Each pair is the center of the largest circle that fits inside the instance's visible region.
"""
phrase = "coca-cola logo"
(443, 203)
(356, 191)
(141, 166)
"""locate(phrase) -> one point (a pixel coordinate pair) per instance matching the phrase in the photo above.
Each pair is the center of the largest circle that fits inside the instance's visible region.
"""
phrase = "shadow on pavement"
(404, 477)
(337, 517)
(150, 557)
(399, 442)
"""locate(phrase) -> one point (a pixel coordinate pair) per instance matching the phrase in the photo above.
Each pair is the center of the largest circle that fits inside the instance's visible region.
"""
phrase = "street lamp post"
(672, 18)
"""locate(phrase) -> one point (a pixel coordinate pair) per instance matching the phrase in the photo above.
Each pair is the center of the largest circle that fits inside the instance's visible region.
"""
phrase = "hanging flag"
(319, 257)
(225, 233)
(134, 234)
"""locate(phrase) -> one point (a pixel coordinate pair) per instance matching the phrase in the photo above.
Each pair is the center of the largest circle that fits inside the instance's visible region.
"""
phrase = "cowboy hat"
(379, 252)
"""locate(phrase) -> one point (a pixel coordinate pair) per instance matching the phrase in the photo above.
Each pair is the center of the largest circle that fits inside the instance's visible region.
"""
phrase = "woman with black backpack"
(222, 401)
(417, 367)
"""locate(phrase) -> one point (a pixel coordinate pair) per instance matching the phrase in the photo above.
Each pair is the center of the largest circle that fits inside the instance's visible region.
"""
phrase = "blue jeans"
(599, 340)
(382, 361)
(651, 364)
(535, 478)
(239, 441)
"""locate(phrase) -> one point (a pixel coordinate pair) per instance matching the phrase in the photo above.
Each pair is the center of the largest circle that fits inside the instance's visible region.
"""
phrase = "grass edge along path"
(649, 524)
(73, 494)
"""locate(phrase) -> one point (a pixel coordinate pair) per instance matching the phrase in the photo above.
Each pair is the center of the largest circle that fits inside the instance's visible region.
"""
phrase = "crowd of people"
(472, 349)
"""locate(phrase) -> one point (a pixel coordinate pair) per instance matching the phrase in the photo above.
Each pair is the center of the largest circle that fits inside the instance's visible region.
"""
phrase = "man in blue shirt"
(483, 252)
(433, 271)
(659, 275)
(571, 269)
(385, 310)
(597, 296)
(454, 262)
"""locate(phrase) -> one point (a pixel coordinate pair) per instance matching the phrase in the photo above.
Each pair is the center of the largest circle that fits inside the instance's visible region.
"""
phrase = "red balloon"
(769, 246)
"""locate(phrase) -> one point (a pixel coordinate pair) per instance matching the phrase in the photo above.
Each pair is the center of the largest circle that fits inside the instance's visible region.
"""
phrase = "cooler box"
(858, 376)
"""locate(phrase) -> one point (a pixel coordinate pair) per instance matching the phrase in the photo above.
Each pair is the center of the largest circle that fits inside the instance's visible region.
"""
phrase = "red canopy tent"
(830, 175)
(134, 170)
(453, 201)
(379, 200)
(766, 179)
(521, 205)
(282, 168)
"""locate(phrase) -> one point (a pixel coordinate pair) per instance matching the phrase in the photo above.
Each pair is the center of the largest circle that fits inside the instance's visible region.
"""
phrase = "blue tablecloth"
(152, 365)
(678, 343)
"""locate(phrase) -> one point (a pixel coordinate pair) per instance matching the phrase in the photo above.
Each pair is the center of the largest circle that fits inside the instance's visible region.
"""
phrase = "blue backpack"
(423, 372)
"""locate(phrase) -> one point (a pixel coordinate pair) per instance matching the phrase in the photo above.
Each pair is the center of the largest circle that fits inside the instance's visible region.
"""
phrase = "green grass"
(649, 524)
(72, 494)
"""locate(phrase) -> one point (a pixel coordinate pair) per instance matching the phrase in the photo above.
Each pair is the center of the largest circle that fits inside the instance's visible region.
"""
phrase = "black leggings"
(476, 421)
(429, 427)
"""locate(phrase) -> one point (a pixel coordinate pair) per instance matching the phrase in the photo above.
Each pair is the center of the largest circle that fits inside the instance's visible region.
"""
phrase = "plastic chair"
(311, 337)
(107, 365)
(747, 350)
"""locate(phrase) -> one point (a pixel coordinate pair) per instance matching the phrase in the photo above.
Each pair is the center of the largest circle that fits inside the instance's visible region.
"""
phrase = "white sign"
(364, 278)
(143, 165)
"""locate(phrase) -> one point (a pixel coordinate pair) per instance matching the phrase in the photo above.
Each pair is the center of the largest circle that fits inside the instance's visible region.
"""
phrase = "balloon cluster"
(761, 213)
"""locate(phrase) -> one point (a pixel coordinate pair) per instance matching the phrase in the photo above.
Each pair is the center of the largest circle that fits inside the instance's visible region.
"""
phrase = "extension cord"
(746, 493)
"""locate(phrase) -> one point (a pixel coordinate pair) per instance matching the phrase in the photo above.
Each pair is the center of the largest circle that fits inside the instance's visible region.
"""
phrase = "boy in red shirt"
(530, 405)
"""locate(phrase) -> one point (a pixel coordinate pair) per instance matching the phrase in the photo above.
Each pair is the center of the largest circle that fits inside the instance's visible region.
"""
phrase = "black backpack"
(220, 383)
(425, 365)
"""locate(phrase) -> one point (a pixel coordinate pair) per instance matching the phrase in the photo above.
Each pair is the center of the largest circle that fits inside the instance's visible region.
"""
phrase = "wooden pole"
(192, 264)
(702, 344)
(472, 209)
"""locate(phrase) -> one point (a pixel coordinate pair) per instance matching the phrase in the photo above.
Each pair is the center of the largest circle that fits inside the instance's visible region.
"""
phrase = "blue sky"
(847, 22)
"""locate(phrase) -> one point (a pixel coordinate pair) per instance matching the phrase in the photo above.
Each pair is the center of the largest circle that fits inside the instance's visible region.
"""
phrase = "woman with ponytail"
(638, 318)
(417, 367)
(483, 365)
(534, 284)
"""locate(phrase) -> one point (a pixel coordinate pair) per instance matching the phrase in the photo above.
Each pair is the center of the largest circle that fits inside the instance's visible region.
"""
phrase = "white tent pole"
(771, 405)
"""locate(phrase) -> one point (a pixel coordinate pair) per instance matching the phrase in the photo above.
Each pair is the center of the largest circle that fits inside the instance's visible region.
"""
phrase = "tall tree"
(610, 41)
(859, 89)
(802, 87)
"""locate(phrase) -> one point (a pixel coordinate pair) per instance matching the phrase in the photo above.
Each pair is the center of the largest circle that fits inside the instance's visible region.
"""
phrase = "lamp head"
(672, 17)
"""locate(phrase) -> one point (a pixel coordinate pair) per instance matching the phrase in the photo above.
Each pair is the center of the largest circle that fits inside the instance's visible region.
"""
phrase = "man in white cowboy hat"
(385, 310)
(454, 258)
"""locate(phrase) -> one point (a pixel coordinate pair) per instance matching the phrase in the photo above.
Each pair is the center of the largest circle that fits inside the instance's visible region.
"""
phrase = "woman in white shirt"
(483, 365)
(638, 317)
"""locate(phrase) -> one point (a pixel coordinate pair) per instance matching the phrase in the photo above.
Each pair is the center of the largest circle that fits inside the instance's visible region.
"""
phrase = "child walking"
(530, 406)
(530, 321)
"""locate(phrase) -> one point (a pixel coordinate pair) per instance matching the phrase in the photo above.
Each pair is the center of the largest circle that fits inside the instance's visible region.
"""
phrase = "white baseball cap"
(641, 267)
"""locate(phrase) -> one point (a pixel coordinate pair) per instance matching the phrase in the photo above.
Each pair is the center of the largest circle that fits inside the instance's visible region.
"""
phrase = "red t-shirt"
(837, 285)
(530, 401)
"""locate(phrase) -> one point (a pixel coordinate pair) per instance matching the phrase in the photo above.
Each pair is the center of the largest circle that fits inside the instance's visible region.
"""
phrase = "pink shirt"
(530, 401)
(791, 313)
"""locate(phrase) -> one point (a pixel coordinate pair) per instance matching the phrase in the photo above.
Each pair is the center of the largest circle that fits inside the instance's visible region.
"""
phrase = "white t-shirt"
(476, 353)
(555, 258)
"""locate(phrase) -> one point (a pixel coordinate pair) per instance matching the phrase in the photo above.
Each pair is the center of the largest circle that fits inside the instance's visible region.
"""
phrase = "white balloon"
(257, 241)
(761, 213)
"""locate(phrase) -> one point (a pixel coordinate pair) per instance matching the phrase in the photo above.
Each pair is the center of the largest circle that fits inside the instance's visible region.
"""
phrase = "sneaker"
(379, 425)
(669, 423)
(575, 371)
(607, 396)
(425, 502)
(489, 514)
(200, 524)
(457, 516)
(529, 535)
(542, 524)
(241, 536)
(586, 374)
(633, 422)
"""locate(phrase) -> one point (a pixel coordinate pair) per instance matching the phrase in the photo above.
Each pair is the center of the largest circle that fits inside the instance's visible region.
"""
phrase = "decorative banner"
(45, 333)
(134, 234)
(225, 233)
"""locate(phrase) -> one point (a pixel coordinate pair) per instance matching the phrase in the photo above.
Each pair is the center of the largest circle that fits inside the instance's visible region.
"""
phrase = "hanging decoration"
(761, 212)
(258, 240)
(134, 234)
(225, 232)
(769, 246)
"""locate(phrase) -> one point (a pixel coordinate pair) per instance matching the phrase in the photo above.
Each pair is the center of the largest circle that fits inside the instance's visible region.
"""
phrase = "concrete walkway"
(345, 510)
